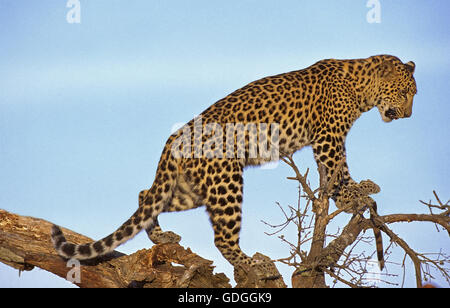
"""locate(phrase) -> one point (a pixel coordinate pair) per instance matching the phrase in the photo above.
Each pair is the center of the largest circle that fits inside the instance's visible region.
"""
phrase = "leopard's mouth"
(391, 114)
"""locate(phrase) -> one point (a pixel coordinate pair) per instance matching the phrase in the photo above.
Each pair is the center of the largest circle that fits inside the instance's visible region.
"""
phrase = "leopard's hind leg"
(184, 198)
(223, 203)
(154, 232)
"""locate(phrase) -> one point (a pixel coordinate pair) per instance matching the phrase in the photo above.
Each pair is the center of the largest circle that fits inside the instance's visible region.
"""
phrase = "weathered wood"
(25, 243)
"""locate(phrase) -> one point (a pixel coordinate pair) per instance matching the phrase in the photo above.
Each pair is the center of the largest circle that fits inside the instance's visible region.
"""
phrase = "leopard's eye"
(404, 92)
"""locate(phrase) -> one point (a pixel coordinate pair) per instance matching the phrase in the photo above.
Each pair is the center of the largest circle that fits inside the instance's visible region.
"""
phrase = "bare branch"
(337, 259)
(298, 176)
(438, 219)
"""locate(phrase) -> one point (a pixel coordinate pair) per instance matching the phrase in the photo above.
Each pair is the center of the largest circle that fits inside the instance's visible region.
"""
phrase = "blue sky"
(85, 109)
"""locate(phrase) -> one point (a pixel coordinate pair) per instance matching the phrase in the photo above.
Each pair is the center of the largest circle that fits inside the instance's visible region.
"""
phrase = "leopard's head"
(396, 88)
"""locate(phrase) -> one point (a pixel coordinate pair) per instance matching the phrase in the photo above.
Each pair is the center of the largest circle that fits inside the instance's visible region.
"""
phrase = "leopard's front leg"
(347, 194)
(329, 151)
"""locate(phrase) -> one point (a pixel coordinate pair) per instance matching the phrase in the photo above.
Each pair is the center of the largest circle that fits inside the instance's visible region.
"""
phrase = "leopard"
(202, 163)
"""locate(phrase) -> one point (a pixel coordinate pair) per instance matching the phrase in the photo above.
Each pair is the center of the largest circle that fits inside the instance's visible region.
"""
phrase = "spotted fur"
(315, 107)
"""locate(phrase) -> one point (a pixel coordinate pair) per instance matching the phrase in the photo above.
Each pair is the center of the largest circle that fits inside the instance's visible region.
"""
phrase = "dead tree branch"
(25, 243)
(324, 259)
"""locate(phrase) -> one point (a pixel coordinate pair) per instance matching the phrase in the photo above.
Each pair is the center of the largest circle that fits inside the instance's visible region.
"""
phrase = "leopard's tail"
(101, 247)
(378, 239)
(144, 218)
(379, 247)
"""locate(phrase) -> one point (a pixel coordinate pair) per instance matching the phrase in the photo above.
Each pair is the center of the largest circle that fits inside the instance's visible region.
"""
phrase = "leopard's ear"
(410, 66)
(386, 69)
